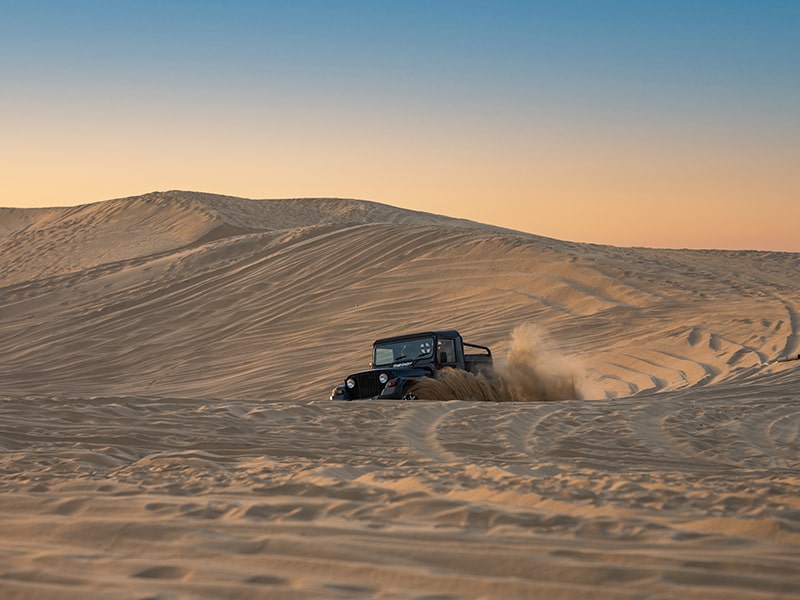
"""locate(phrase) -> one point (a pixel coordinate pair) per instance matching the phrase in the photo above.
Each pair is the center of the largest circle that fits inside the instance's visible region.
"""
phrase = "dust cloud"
(534, 371)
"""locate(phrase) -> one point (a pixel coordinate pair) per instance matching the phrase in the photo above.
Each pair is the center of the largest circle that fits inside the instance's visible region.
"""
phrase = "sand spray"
(533, 371)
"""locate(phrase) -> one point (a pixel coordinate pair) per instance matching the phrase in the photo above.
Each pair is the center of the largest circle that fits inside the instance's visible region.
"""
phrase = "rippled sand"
(670, 496)
(165, 433)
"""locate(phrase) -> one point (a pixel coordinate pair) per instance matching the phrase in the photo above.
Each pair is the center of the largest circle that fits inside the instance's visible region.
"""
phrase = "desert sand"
(166, 432)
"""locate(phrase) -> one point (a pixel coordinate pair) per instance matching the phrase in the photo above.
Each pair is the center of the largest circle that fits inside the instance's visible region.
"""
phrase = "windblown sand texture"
(165, 430)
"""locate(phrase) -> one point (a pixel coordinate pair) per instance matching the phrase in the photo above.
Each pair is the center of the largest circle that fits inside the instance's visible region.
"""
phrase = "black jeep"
(399, 362)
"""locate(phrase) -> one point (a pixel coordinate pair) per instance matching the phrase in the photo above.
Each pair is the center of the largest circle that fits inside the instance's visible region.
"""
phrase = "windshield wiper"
(411, 362)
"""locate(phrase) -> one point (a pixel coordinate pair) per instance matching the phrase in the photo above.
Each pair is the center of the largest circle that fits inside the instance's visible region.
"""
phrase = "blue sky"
(631, 123)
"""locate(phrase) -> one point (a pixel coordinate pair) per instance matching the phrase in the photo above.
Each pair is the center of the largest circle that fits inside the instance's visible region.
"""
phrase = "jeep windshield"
(404, 351)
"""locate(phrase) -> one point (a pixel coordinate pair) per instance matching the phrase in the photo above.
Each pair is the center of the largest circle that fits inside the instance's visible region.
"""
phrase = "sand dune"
(166, 432)
(200, 295)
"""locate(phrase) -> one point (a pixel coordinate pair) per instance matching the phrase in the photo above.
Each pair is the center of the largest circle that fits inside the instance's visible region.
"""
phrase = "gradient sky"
(652, 122)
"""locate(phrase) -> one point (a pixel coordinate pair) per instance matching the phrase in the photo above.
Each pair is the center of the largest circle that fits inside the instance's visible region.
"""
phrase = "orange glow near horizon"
(596, 190)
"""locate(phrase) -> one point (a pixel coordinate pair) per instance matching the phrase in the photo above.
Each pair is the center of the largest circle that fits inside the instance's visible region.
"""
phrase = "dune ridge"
(219, 284)
(165, 430)
(235, 292)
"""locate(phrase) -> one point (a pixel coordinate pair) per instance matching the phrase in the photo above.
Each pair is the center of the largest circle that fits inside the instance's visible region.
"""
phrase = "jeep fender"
(340, 393)
(397, 388)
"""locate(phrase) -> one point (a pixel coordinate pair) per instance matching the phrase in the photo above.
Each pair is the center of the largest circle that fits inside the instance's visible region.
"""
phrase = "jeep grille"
(367, 385)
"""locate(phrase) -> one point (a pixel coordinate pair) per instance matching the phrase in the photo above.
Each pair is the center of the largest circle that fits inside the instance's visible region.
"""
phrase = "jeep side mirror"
(442, 357)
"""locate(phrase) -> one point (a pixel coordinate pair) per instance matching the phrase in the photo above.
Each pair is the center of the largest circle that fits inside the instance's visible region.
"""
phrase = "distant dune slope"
(43, 242)
(190, 294)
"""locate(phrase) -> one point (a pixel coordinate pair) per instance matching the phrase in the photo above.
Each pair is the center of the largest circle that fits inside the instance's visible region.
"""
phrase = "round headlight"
(351, 383)
(383, 378)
